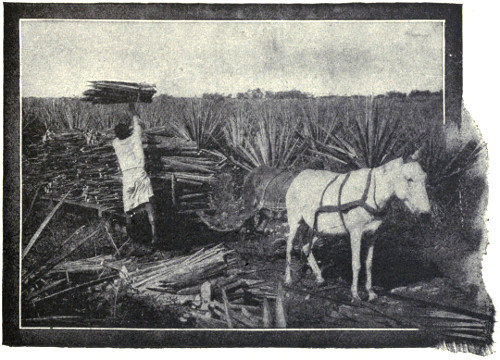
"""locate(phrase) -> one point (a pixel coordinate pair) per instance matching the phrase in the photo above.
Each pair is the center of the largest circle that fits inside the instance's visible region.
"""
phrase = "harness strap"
(316, 214)
(326, 188)
(367, 187)
(364, 204)
(352, 204)
(341, 213)
(341, 208)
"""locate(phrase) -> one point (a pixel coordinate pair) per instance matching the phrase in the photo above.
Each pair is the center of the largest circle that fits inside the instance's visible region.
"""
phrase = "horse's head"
(409, 185)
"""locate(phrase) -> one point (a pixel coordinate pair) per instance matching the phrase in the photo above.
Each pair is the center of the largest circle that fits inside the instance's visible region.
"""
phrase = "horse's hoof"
(355, 298)
(320, 282)
(372, 296)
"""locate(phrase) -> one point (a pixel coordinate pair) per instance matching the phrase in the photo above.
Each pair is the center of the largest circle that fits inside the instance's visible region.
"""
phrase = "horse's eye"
(410, 180)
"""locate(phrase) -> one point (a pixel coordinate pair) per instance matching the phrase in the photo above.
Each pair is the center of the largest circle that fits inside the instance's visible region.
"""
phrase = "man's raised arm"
(135, 119)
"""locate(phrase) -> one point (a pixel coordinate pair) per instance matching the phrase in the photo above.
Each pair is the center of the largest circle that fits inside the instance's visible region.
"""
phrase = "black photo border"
(13, 12)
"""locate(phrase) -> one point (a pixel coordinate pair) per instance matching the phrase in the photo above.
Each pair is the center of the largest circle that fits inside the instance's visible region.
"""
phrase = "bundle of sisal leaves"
(114, 92)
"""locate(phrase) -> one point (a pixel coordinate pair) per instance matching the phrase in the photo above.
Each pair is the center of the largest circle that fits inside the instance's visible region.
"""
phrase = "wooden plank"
(192, 196)
(173, 186)
(443, 307)
(174, 165)
(76, 203)
(111, 239)
(35, 236)
(280, 307)
(44, 289)
(57, 259)
(87, 284)
(226, 309)
(266, 314)
(32, 203)
(101, 208)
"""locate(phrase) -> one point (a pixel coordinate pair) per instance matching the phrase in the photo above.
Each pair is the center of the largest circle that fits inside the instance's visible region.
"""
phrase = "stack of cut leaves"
(212, 283)
(209, 283)
(179, 273)
(88, 169)
(115, 92)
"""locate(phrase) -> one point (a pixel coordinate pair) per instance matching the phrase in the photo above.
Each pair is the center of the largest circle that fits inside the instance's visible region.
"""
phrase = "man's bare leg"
(151, 216)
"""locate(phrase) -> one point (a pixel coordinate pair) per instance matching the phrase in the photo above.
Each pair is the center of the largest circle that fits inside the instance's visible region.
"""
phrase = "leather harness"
(342, 208)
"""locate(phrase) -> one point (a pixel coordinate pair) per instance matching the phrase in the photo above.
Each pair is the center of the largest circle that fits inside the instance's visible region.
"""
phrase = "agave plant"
(153, 115)
(201, 122)
(264, 135)
(320, 119)
(53, 114)
(77, 114)
(235, 134)
(367, 139)
(444, 163)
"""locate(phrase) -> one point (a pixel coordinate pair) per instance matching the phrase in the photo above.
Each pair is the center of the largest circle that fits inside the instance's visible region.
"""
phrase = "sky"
(196, 57)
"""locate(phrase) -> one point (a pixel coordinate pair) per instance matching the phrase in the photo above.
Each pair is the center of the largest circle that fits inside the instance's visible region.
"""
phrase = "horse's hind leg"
(307, 249)
(294, 225)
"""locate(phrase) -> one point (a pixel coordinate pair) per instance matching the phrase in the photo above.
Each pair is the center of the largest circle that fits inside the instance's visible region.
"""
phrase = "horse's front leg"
(369, 260)
(371, 228)
(356, 264)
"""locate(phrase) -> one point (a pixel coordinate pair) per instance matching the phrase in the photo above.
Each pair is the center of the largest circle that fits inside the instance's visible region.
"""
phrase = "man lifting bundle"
(137, 189)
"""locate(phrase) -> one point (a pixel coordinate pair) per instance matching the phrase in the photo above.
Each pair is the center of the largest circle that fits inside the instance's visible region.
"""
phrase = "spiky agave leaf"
(442, 165)
(263, 134)
(367, 140)
(201, 122)
(321, 119)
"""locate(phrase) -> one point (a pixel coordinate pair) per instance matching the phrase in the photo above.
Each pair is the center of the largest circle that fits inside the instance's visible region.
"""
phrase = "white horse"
(334, 203)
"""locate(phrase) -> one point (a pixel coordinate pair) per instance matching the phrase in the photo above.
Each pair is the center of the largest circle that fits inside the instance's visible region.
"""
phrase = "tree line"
(297, 94)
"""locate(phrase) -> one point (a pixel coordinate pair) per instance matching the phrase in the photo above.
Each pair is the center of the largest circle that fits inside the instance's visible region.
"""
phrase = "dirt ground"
(411, 294)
